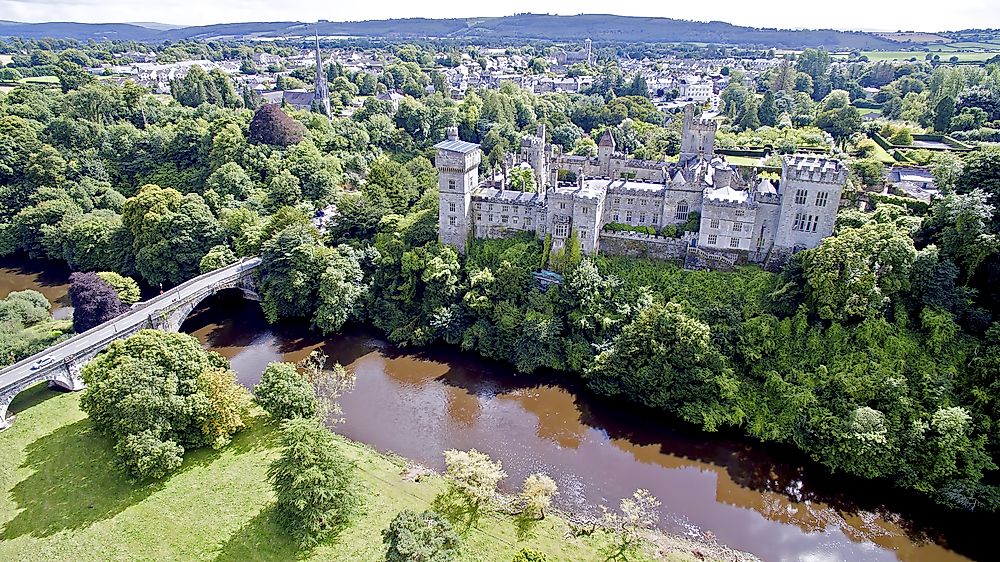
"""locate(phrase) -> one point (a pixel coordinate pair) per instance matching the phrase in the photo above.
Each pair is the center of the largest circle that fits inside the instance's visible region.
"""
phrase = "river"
(762, 499)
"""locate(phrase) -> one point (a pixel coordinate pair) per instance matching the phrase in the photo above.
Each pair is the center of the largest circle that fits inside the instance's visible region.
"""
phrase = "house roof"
(765, 186)
(727, 194)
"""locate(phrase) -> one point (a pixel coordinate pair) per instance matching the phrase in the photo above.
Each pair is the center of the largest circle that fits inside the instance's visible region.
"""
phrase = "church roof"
(607, 139)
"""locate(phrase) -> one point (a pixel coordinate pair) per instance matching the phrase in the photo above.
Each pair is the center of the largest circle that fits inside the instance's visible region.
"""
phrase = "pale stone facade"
(742, 219)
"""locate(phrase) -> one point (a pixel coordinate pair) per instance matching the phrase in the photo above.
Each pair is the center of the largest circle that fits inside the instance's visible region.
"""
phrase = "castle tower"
(697, 136)
(810, 197)
(605, 150)
(457, 163)
(587, 46)
(537, 158)
(321, 97)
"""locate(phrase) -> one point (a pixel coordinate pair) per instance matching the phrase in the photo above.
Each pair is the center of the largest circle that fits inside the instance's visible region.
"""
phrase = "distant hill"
(599, 27)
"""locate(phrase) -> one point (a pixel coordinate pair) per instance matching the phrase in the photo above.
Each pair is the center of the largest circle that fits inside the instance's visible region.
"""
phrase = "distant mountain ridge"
(599, 27)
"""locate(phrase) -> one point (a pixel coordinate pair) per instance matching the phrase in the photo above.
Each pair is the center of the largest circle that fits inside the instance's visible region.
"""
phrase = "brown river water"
(766, 500)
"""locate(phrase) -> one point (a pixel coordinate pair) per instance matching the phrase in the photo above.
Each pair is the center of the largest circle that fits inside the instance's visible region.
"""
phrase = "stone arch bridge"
(60, 364)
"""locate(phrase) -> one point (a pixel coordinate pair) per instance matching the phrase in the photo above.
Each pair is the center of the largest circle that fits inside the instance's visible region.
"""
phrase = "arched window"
(682, 211)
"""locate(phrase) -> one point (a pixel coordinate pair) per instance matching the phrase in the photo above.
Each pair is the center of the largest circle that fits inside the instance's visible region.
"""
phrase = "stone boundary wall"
(638, 245)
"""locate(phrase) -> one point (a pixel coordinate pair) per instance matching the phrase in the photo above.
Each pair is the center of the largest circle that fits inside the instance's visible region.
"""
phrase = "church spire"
(322, 95)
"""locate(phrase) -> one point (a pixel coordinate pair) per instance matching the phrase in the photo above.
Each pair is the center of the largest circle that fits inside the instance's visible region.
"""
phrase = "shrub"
(530, 555)
(426, 536)
(474, 474)
(537, 494)
(313, 483)
(284, 393)
(145, 455)
(22, 308)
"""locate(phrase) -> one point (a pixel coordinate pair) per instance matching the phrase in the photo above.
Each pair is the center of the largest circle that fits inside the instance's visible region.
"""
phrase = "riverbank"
(61, 500)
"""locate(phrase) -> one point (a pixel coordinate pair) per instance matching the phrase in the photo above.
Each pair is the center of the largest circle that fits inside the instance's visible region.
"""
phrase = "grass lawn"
(39, 80)
(61, 500)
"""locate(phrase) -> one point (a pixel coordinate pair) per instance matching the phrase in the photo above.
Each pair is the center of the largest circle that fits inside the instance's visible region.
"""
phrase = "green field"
(61, 500)
(39, 80)
(876, 56)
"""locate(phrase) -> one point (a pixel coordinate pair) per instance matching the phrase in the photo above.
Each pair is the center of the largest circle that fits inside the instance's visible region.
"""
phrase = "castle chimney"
(452, 133)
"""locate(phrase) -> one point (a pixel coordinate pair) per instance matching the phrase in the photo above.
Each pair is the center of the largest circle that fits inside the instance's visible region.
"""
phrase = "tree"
(341, 289)
(855, 273)
(473, 474)
(413, 536)
(947, 169)
(981, 170)
(537, 494)
(271, 125)
(943, 113)
(284, 393)
(869, 171)
(768, 110)
(126, 287)
(23, 308)
(171, 233)
(156, 394)
(94, 301)
(230, 181)
(72, 76)
(283, 190)
(292, 263)
(902, 137)
(666, 359)
(315, 487)
(639, 513)
(218, 257)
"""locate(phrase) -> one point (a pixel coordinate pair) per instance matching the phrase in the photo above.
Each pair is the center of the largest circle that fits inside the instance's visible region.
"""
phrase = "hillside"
(599, 27)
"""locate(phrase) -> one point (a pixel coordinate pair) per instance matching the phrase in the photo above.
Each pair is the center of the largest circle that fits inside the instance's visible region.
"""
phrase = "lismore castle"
(742, 220)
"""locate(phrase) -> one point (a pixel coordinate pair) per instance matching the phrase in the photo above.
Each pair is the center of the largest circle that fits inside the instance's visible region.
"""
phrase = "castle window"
(451, 207)
(479, 217)
(811, 223)
(504, 209)
(797, 224)
(630, 201)
(583, 234)
(452, 221)
(714, 223)
(821, 198)
(712, 239)
(562, 205)
(515, 220)
(585, 210)
(479, 205)
(740, 212)
(628, 216)
(491, 217)
(618, 200)
(682, 211)
(656, 219)
(642, 218)
(527, 221)
(800, 197)
(737, 227)
(734, 243)
(491, 207)
(562, 230)
(504, 219)
(614, 217)
(642, 202)
(452, 184)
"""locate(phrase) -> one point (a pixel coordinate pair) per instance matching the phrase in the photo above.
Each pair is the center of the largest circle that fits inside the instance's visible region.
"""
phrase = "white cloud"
(846, 14)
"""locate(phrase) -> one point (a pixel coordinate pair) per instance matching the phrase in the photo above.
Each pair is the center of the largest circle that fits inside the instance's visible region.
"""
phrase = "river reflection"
(50, 278)
(419, 403)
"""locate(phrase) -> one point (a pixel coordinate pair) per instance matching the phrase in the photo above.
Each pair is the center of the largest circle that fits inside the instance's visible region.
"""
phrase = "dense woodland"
(877, 353)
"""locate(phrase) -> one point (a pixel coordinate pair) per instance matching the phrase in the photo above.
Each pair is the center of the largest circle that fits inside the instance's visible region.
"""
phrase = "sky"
(872, 15)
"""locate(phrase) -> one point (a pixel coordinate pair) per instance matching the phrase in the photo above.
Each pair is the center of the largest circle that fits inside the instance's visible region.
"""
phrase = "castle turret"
(457, 163)
(810, 192)
(605, 150)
